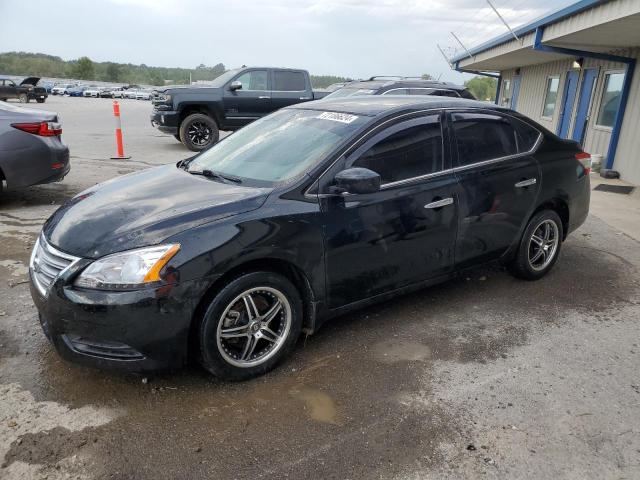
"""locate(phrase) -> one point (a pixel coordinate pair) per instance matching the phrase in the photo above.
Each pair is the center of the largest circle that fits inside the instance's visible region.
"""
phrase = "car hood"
(143, 209)
(30, 81)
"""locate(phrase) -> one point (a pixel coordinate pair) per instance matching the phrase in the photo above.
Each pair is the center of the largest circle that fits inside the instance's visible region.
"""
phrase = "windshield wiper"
(215, 175)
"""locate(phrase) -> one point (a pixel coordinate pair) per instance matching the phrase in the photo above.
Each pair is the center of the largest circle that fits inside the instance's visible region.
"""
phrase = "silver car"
(31, 149)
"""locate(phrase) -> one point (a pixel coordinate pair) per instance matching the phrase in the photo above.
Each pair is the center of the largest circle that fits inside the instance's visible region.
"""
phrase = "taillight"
(585, 159)
(43, 129)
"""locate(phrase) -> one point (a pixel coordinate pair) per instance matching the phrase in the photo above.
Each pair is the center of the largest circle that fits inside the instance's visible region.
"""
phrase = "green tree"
(483, 88)
(84, 68)
(112, 73)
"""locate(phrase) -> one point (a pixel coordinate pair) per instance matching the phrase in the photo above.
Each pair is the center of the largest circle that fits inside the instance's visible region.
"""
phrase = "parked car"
(61, 89)
(401, 86)
(310, 212)
(31, 151)
(195, 115)
(77, 91)
(117, 93)
(130, 93)
(144, 94)
(47, 86)
(91, 91)
(106, 92)
(26, 91)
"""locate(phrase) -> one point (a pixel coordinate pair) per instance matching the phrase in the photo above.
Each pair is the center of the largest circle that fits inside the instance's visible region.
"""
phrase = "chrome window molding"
(376, 130)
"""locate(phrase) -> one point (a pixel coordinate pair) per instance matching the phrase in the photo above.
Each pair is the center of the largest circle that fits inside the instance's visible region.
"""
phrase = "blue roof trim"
(561, 14)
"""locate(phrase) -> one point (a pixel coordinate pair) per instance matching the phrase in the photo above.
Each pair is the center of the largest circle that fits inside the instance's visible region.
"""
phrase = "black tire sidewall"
(198, 117)
(520, 266)
(210, 356)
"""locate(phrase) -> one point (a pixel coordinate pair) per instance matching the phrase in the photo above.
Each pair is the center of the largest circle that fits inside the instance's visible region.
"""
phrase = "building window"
(506, 93)
(550, 97)
(610, 101)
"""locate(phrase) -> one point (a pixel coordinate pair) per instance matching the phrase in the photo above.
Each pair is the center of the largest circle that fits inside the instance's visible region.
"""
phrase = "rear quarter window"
(480, 137)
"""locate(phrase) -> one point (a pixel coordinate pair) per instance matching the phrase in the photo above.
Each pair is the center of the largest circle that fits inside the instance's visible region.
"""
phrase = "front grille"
(47, 263)
(101, 348)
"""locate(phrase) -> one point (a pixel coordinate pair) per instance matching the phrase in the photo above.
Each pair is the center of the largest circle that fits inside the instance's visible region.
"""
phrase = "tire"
(40, 100)
(177, 137)
(23, 98)
(233, 357)
(198, 132)
(539, 247)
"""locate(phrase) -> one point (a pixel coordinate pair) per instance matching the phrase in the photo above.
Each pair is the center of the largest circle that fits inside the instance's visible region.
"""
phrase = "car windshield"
(279, 147)
(350, 92)
(224, 78)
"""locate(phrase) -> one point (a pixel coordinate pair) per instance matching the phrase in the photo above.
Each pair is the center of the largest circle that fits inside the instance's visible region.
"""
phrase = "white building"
(573, 72)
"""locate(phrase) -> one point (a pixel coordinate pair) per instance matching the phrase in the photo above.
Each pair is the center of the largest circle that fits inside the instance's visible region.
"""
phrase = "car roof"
(403, 83)
(375, 105)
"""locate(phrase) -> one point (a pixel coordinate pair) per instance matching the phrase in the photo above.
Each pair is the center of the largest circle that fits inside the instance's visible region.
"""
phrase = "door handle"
(263, 97)
(439, 203)
(526, 183)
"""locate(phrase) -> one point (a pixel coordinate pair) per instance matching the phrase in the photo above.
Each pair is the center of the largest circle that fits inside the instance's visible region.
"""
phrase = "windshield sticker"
(338, 117)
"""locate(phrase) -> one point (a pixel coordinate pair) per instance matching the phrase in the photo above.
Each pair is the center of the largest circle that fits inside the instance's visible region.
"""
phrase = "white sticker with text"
(338, 117)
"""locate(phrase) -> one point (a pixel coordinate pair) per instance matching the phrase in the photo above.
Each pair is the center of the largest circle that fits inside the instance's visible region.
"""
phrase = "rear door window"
(404, 151)
(480, 137)
(288, 81)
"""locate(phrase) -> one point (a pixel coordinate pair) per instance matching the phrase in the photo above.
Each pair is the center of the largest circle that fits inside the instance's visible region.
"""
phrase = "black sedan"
(31, 150)
(310, 212)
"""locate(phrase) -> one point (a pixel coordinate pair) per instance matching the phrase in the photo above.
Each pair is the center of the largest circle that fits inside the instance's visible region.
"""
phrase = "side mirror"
(236, 85)
(357, 180)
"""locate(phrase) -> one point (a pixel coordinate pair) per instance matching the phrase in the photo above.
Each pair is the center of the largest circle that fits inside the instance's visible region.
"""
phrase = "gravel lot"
(483, 376)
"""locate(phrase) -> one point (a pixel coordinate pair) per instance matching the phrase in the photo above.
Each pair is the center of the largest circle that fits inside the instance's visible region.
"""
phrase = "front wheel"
(198, 132)
(539, 247)
(23, 98)
(250, 326)
(40, 100)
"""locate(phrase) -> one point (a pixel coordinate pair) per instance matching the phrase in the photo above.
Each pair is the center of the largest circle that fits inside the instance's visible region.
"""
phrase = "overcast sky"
(353, 38)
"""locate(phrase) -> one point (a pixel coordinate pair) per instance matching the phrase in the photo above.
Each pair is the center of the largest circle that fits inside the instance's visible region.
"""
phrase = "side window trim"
(454, 151)
(354, 155)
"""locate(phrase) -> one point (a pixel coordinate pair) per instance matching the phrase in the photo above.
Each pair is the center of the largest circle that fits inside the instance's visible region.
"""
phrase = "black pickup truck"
(26, 91)
(194, 114)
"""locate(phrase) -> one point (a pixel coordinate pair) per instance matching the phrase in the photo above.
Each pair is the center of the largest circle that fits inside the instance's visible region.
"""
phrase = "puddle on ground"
(318, 404)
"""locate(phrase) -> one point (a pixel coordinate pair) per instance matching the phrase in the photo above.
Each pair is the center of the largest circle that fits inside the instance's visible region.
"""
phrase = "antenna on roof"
(444, 55)
(502, 19)
(462, 45)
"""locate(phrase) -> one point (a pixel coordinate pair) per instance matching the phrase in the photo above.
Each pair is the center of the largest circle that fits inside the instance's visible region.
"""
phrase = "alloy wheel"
(199, 133)
(254, 326)
(543, 245)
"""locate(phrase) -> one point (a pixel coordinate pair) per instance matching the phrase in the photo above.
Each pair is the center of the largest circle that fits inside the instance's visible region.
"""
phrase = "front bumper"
(167, 121)
(134, 331)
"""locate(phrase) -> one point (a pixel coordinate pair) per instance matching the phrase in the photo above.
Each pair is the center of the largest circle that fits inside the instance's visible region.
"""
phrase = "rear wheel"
(250, 326)
(539, 247)
(198, 132)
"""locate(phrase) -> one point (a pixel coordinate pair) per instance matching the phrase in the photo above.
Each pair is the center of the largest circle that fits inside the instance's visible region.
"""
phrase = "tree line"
(83, 68)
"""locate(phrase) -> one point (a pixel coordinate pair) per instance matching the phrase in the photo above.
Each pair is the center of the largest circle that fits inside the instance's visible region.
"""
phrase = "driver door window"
(405, 151)
(253, 80)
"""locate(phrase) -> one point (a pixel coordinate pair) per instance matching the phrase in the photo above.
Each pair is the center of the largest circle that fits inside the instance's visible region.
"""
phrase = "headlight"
(127, 270)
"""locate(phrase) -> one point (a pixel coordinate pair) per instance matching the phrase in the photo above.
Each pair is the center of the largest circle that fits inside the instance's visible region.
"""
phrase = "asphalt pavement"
(484, 376)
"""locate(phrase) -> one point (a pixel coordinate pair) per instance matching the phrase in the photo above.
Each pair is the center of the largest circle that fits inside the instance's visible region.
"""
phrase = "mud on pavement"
(525, 373)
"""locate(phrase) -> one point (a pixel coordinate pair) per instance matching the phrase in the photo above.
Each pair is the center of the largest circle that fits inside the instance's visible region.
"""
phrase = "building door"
(584, 104)
(568, 99)
(516, 92)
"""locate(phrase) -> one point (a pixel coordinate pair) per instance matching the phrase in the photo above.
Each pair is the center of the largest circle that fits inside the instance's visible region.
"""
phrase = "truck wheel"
(23, 98)
(40, 100)
(199, 131)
